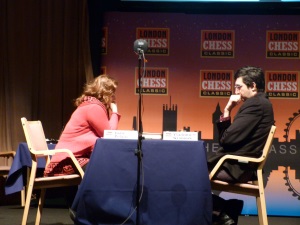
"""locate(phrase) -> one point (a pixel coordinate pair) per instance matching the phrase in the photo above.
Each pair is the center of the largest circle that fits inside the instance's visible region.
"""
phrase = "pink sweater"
(85, 126)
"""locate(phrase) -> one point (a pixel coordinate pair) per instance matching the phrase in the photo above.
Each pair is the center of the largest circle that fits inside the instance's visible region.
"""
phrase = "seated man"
(245, 136)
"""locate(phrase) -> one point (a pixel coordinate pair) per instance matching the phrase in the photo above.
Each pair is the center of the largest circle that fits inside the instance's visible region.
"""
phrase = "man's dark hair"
(252, 74)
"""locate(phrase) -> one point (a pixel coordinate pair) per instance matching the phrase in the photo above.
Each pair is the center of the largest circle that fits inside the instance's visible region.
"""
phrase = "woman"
(96, 111)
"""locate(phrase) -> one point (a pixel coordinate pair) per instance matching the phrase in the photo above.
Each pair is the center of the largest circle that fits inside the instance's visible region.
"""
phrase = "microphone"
(140, 45)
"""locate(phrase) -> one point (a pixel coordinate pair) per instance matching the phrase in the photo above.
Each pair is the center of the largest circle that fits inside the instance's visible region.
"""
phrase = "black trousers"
(232, 207)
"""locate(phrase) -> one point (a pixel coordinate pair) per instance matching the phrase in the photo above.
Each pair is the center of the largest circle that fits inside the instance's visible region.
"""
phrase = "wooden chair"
(253, 188)
(38, 148)
(5, 167)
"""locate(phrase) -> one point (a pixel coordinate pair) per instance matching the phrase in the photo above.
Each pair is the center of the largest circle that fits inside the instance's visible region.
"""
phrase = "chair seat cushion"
(249, 185)
(72, 176)
(4, 168)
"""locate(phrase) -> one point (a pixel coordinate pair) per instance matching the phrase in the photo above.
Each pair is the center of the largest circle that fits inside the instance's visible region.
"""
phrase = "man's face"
(242, 89)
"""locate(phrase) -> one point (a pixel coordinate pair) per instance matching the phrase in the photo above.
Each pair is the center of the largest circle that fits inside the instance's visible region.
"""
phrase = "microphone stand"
(139, 152)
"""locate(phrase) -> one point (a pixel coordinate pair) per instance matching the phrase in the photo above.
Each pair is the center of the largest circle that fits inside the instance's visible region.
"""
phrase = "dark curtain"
(44, 63)
(97, 9)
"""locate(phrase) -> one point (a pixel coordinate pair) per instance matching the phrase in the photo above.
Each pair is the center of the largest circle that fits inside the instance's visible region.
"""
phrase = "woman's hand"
(114, 107)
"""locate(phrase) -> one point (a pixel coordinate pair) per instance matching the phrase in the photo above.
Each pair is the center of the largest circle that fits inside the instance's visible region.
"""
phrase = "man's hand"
(233, 101)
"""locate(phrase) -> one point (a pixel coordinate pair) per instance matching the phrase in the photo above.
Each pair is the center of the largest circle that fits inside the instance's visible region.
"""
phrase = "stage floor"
(12, 215)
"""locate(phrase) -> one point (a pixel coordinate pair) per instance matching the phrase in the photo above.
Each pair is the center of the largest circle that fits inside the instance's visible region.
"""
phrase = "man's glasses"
(237, 86)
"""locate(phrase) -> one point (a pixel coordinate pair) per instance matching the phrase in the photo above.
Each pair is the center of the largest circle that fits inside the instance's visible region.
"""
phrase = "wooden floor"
(12, 215)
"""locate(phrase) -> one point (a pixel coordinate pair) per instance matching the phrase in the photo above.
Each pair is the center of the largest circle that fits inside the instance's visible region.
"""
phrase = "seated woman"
(96, 111)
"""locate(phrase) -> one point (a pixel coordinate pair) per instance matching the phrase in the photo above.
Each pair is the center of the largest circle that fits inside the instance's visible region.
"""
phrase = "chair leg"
(40, 207)
(27, 204)
(23, 197)
(261, 208)
(23, 192)
(261, 203)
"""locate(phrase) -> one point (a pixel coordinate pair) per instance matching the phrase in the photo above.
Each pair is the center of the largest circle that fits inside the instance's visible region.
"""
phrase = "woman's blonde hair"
(102, 87)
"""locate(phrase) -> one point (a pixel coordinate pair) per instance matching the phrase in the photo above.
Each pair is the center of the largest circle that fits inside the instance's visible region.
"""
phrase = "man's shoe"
(72, 214)
(223, 219)
(234, 208)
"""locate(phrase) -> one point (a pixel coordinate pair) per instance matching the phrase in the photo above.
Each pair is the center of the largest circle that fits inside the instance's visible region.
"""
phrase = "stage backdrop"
(190, 64)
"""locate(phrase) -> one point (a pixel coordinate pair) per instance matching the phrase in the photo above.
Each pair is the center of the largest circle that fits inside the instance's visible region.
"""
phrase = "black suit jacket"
(246, 135)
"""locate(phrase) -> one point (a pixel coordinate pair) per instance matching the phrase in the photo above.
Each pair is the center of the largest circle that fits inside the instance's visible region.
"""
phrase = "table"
(16, 179)
(176, 186)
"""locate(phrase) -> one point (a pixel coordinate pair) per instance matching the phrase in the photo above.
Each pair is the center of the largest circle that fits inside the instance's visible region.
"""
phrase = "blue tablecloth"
(17, 175)
(176, 188)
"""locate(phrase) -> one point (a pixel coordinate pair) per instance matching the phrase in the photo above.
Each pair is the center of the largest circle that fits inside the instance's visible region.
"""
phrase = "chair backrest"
(35, 136)
(267, 146)
(5, 162)
(6, 157)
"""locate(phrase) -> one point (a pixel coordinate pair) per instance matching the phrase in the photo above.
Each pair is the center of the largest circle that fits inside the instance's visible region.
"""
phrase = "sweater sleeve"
(97, 118)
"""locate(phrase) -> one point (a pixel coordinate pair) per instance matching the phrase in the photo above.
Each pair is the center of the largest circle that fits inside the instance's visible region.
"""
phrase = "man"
(245, 135)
